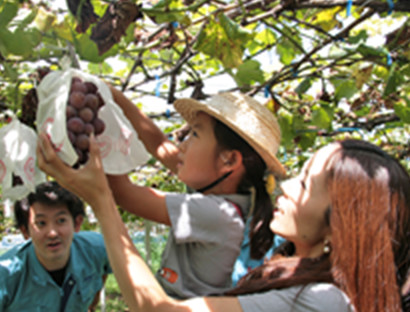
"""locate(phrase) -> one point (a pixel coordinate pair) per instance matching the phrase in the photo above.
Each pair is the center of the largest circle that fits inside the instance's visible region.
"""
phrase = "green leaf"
(307, 140)
(249, 72)
(304, 86)
(224, 41)
(344, 88)
(403, 111)
(64, 30)
(405, 70)
(326, 19)
(322, 118)
(44, 20)
(361, 36)
(10, 72)
(168, 17)
(394, 80)
(87, 49)
(20, 42)
(362, 75)
(233, 30)
(371, 51)
(7, 12)
(285, 121)
(100, 68)
(381, 72)
(286, 48)
(167, 11)
(266, 36)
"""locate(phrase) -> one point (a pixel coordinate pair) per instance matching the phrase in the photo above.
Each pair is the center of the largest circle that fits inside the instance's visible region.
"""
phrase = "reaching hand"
(88, 182)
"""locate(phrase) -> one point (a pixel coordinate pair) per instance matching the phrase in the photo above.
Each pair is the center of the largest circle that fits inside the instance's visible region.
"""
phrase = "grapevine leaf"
(249, 72)
(44, 20)
(403, 111)
(344, 88)
(362, 75)
(307, 140)
(393, 81)
(88, 50)
(286, 127)
(20, 42)
(10, 72)
(7, 12)
(224, 41)
(322, 118)
(326, 19)
(304, 86)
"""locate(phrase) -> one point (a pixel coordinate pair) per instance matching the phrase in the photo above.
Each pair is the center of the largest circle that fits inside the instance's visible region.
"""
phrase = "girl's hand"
(88, 182)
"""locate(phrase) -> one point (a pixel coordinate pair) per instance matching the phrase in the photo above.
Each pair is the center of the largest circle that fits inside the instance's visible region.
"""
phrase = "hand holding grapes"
(89, 182)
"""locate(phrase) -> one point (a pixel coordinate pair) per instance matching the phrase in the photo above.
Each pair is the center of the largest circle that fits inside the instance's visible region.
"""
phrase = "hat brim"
(188, 108)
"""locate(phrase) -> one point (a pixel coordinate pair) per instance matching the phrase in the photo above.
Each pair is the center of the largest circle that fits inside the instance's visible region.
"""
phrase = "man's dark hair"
(51, 194)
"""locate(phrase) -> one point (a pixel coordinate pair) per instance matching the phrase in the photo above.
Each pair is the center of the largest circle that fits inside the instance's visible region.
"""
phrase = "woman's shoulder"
(312, 297)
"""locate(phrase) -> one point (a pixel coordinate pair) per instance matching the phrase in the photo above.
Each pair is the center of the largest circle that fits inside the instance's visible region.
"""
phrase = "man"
(58, 269)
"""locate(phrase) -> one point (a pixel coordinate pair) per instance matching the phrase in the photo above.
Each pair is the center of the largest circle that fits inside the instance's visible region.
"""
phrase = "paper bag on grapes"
(19, 174)
(74, 104)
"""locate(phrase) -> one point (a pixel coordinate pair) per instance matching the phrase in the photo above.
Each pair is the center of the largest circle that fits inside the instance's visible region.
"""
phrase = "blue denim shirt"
(26, 286)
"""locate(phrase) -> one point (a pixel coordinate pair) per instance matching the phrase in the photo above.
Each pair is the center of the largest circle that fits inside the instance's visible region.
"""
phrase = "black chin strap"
(209, 186)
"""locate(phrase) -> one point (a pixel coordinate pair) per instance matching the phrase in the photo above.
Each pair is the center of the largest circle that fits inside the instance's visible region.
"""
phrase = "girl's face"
(198, 165)
(300, 212)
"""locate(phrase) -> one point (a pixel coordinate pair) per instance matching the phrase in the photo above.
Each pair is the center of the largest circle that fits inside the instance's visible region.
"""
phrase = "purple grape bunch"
(83, 104)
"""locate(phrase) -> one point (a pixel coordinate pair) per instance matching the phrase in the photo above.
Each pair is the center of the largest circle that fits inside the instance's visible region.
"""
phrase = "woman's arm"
(154, 139)
(138, 285)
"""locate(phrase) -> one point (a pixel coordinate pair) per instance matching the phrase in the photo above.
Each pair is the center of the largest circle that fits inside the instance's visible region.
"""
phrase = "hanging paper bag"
(121, 150)
(19, 174)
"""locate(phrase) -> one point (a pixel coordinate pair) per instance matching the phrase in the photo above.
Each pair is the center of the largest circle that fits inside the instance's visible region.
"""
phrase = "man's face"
(51, 229)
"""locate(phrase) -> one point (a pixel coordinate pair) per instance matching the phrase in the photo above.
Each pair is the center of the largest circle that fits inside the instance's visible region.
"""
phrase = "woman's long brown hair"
(370, 224)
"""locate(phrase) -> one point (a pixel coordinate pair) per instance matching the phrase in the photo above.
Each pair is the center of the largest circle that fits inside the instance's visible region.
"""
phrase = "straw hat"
(247, 117)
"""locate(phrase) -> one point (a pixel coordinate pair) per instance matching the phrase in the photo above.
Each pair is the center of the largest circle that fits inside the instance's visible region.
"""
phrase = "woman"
(346, 217)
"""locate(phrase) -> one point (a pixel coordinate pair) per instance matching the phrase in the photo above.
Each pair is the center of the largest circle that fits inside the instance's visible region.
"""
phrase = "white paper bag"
(18, 158)
(121, 150)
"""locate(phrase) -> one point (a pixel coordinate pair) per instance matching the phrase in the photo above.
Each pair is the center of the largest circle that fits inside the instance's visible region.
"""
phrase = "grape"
(91, 87)
(78, 86)
(70, 111)
(76, 79)
(75, 124)
(84, 157)
(88, 128)
(100, 100)
(76, 99)
(82, 142)
(91, 101)
(80, 155)
(99, 126)
(86, 114)
(71, 136)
